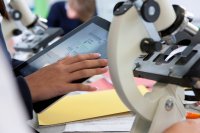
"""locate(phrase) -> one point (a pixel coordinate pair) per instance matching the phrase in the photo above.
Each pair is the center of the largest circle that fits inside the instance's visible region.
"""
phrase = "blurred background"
(104, 7)
(66, 15)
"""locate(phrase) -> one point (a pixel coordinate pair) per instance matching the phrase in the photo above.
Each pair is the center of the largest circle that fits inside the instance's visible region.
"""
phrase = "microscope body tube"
(28, 18)
(167, 15)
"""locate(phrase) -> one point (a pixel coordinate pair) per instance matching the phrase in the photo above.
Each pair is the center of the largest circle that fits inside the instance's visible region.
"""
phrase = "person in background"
(69, 15)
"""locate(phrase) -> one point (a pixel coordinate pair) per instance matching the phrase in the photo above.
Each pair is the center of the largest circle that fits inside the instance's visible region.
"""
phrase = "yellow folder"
(82, 107)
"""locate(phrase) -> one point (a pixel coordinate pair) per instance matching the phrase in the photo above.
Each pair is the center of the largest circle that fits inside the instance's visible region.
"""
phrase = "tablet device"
(90, 37)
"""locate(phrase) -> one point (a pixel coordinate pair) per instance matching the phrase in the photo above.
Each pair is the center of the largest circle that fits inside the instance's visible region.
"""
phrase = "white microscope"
(171, 55)
(30, 33)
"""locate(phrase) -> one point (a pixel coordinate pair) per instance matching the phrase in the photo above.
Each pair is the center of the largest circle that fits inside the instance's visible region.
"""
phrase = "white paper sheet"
(122, 123)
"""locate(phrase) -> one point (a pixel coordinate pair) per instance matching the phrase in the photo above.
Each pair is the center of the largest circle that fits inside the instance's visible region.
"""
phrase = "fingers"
(86, 73)
(76, 87)
(79, 58)
(87, 64)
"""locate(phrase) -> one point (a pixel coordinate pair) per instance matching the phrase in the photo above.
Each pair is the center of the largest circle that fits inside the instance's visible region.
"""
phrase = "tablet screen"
(91, 39)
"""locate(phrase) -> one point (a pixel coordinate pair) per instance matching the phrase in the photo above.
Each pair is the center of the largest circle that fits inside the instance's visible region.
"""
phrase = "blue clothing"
(58, 18)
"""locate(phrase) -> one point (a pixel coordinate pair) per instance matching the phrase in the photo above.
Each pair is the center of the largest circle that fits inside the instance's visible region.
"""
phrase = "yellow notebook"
(82, 107)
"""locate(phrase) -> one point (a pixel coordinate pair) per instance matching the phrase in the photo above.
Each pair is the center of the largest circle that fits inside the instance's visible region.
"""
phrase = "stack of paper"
(121, 123)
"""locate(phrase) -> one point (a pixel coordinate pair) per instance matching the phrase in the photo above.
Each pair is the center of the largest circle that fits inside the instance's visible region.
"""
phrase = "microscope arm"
(125, 36)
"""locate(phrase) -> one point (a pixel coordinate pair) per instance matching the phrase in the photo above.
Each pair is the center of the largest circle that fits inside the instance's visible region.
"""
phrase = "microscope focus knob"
(148, 45)
(150, 11)
(16, 15)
